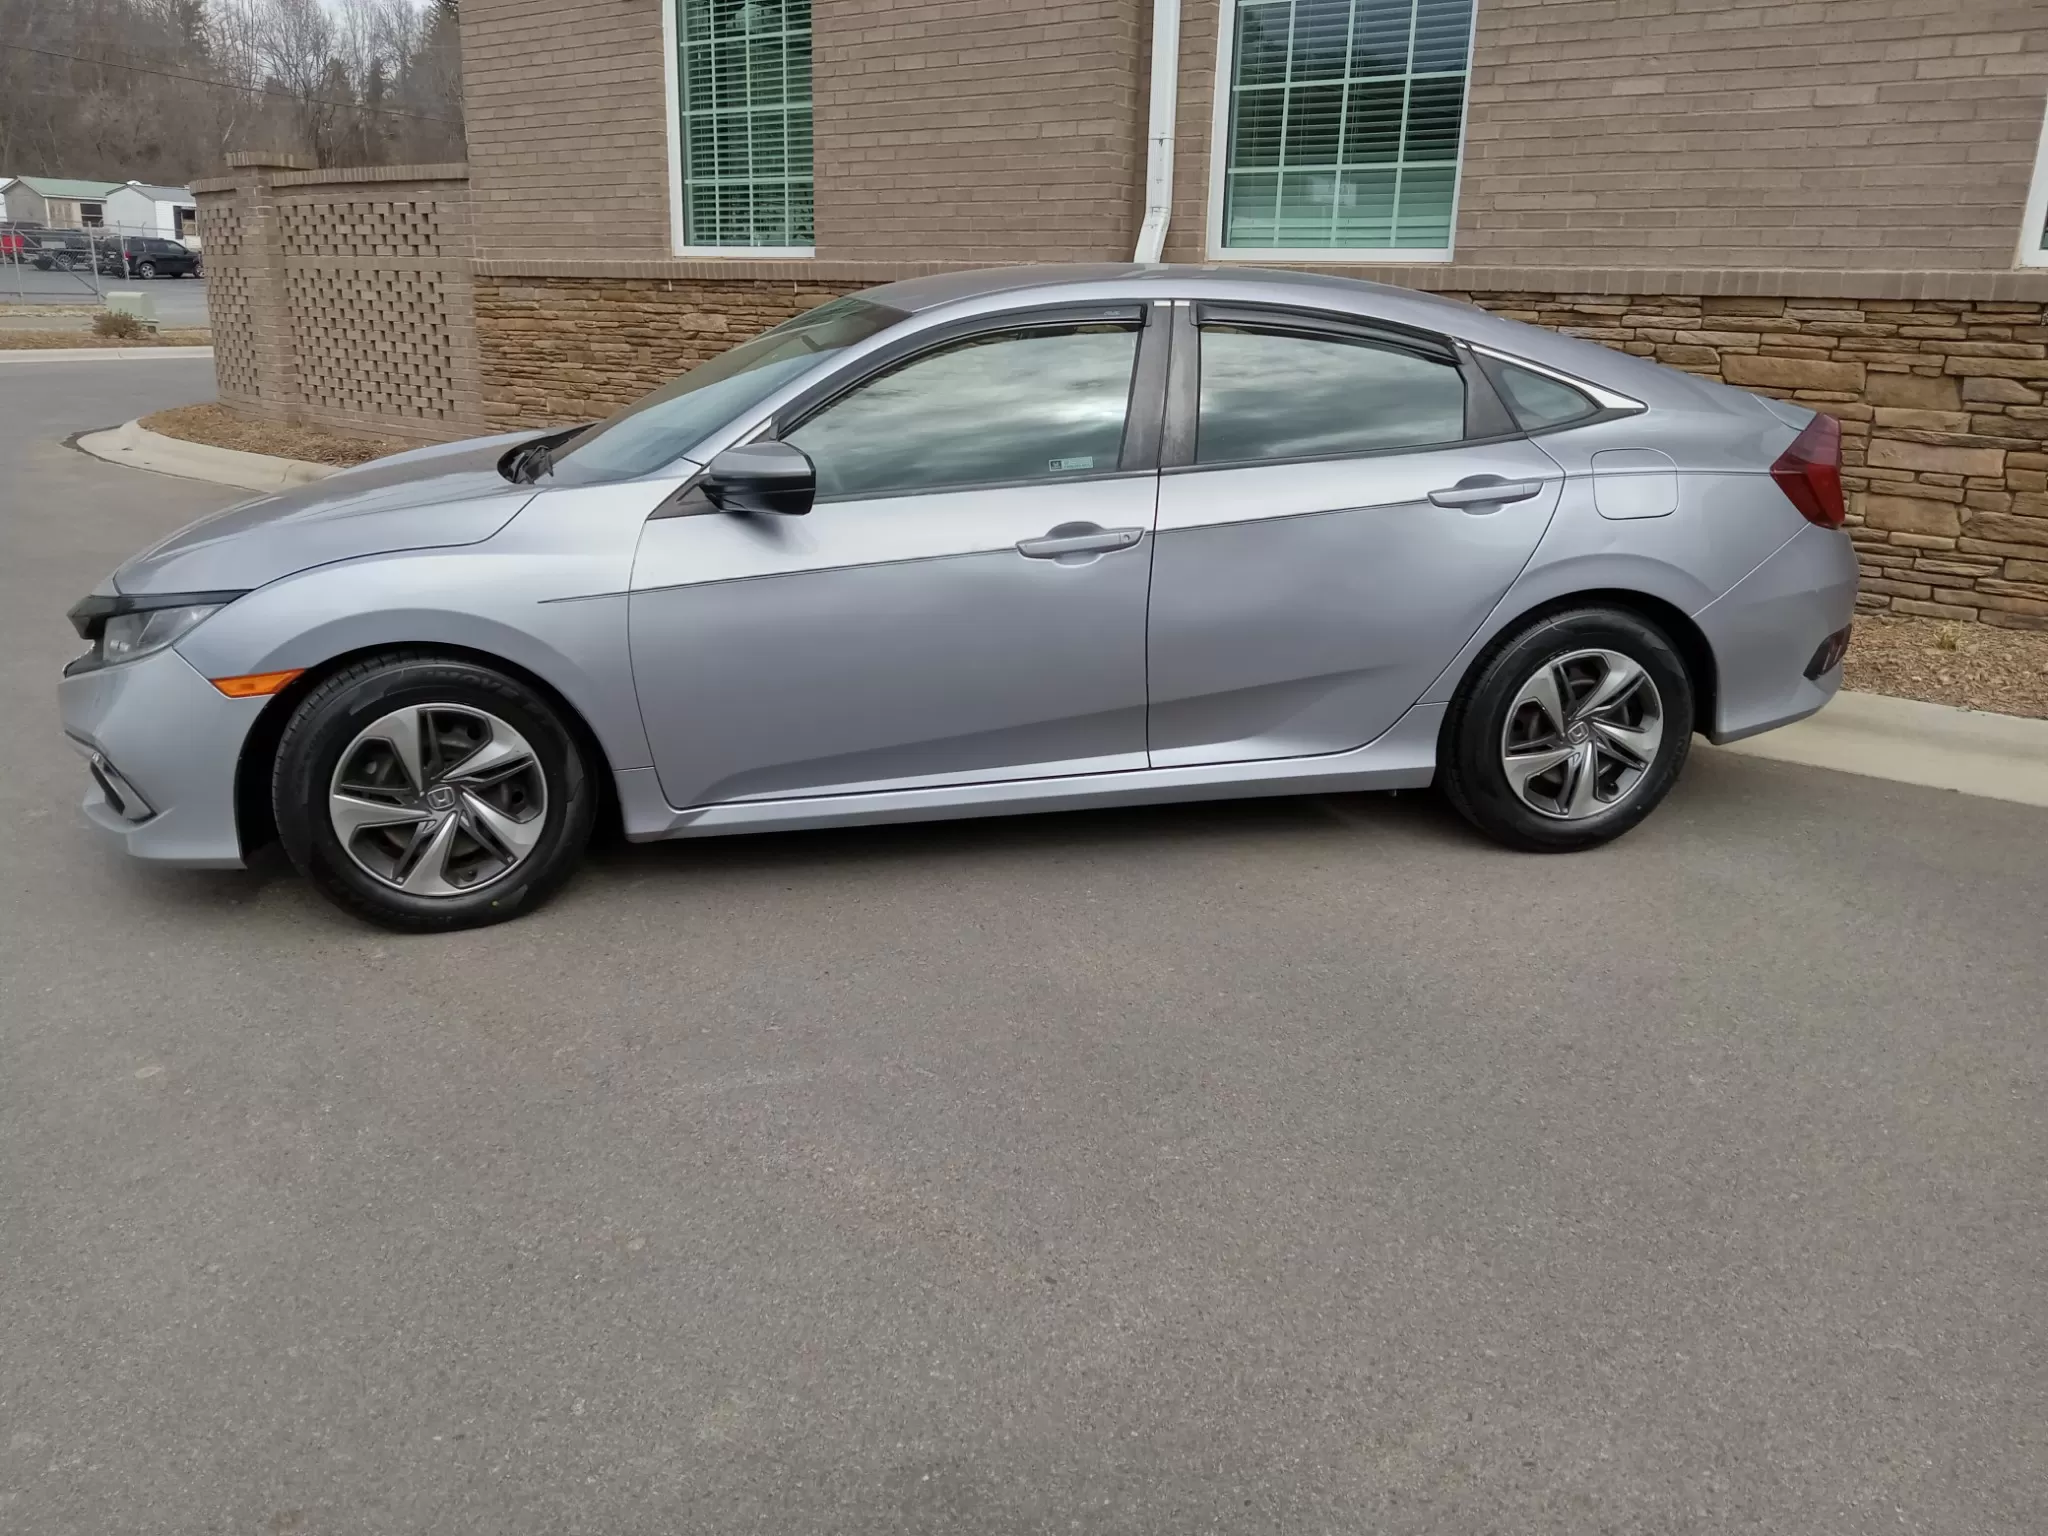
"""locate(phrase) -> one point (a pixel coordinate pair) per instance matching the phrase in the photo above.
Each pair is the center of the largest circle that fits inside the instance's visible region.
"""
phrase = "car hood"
(426, 499)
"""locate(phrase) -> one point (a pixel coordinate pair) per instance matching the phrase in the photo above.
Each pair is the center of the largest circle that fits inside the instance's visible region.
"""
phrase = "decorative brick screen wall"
(343, 297)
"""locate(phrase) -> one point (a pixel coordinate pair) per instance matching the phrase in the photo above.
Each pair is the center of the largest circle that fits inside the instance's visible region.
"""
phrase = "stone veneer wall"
(1945, 432)
(558, 350)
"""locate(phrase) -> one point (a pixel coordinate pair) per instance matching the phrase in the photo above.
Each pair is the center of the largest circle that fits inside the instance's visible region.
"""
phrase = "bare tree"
(162, 89)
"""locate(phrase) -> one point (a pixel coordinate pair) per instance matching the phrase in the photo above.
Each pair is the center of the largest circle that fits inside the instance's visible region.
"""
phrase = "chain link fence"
(91, 258)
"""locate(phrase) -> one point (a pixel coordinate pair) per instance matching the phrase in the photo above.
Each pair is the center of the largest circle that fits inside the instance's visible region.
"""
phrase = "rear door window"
(1274, 394)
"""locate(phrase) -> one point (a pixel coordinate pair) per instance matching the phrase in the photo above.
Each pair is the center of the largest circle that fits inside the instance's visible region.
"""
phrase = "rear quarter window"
(1540, 401)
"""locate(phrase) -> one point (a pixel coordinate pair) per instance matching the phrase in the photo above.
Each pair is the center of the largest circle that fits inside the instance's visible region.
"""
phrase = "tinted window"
(1539, 401)
(1012, 405)
(1271, 396)
(670, 422)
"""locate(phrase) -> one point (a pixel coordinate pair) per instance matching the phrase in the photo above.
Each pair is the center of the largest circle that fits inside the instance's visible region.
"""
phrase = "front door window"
(1016, 407)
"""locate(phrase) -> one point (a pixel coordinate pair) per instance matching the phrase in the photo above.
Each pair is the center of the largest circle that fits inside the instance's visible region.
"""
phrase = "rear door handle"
(1092, 541)
(1482, 493)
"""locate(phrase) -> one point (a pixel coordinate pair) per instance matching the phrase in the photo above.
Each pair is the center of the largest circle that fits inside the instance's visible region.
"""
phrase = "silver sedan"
(1019, 540)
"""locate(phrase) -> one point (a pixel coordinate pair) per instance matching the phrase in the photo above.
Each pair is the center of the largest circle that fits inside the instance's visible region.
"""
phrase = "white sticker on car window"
(1057, 466)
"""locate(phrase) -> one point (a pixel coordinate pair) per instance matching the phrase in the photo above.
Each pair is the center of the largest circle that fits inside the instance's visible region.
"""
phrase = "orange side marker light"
(256, 685)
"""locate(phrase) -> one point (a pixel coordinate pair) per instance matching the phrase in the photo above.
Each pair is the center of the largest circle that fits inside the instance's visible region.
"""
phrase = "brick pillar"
(271, 341)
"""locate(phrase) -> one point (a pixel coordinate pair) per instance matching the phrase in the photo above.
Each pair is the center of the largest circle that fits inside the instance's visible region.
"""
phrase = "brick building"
(1842, 200)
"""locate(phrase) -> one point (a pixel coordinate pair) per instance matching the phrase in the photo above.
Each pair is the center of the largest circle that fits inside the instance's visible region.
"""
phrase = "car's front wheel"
(1569, 732)
(428, 792)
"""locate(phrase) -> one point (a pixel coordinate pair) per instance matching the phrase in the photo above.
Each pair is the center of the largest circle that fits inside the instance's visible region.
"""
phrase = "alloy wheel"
(438, 800)
(1581, 734)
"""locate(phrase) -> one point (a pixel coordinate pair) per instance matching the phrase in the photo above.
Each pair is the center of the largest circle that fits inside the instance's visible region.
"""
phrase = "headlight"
(129, 635)
(123, 628)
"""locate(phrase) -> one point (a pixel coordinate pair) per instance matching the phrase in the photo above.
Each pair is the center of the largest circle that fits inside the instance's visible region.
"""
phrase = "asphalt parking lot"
(180, 301)
(1287, 1165)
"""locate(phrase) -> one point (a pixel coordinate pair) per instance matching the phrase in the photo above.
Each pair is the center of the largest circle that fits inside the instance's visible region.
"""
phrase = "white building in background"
(141, 209)
(57, 201)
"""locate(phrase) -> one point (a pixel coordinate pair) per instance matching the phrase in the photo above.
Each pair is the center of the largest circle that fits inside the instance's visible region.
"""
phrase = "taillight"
(1810, 473)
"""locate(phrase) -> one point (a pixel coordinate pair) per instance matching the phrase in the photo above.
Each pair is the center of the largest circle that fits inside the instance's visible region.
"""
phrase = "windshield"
(665, 425)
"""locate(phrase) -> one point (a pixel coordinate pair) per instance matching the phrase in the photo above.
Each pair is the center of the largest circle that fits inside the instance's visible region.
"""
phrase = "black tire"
(330, 718)
(145, 269)
(1472, 771)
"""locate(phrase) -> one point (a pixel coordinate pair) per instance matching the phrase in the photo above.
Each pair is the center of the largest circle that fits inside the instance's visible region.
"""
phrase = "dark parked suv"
(146, 256)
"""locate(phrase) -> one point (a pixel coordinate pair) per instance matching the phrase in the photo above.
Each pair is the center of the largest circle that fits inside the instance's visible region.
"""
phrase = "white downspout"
(1159, 129)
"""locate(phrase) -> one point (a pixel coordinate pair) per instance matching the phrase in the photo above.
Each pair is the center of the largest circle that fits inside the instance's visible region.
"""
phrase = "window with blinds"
(1345, 122)
(2034, 234)
(744, 72)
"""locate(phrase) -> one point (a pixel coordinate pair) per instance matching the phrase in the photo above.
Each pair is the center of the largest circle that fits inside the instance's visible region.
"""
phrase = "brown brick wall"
(1815, 133)
(566, 114)
(968, 130)
(983, 131)
(1942, 403)
(1845, 135)
(1832, 134)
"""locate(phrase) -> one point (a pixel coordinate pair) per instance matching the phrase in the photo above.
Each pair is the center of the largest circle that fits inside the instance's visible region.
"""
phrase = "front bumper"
(1767, 627)
(161, 745)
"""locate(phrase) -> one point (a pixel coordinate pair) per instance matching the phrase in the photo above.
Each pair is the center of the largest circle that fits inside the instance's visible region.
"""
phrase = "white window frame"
(2034, 226)
(1219, 156)
(678, 224)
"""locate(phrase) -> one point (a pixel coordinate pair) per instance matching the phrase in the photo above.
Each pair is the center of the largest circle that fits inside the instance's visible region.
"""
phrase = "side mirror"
(761, 477)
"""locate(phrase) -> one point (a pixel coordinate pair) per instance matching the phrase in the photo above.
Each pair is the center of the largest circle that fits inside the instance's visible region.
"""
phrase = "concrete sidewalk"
(102, 354)
(2000, 757)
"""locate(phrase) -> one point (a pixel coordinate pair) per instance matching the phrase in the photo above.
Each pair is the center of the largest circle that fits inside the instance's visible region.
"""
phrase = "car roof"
(999, 288)
(916, 294)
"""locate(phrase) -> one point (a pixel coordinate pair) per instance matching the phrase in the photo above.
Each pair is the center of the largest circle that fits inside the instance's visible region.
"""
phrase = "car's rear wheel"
(1569, 732)
(428, 793)
(145, 269)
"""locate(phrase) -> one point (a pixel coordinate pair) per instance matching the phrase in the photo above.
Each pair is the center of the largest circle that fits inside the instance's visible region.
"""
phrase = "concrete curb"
(135, 446)
(1999, 757)
(100, 354)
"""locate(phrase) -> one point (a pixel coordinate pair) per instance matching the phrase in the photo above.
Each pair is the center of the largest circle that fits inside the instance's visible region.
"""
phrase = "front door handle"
(1078, 539)
(1482, 493)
